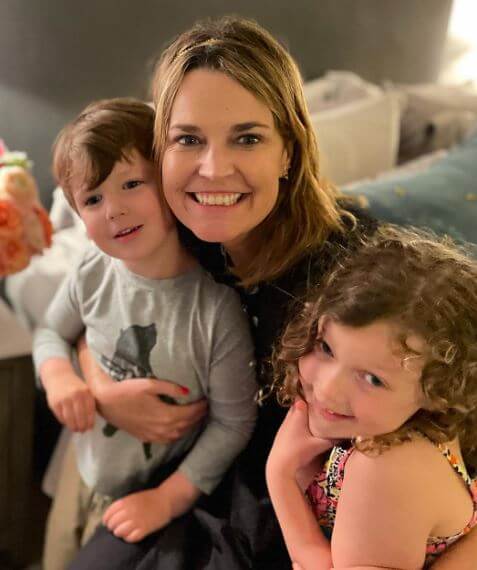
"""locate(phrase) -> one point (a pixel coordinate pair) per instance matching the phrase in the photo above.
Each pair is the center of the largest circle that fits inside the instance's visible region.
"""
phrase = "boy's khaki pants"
(75, 514)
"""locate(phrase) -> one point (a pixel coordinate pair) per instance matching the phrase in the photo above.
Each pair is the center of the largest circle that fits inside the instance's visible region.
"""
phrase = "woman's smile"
(223, 158)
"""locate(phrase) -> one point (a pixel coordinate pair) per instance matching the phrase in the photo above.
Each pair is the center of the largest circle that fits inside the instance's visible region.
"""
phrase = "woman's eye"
(130, 184)
(92, 200)
(188, 140)
(372, 380)
(323, 347)
(248, 140)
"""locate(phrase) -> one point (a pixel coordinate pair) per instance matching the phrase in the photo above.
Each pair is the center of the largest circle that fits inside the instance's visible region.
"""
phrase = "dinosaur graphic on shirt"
(131, 359)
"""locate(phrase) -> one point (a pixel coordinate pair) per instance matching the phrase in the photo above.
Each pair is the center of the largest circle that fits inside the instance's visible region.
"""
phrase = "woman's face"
(223, 159)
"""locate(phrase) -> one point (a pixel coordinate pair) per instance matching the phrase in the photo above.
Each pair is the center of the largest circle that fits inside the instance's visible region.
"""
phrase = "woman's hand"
(134, 405)
(295, 448)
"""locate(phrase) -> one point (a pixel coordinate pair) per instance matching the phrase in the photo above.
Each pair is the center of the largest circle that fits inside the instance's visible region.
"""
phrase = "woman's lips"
(217, 198)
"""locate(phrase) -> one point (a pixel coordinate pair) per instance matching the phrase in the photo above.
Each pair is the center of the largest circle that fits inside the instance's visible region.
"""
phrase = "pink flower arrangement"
(25, 228)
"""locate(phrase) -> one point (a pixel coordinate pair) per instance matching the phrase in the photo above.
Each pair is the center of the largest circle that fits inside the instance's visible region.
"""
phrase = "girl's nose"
(329, 387)
(216, 163)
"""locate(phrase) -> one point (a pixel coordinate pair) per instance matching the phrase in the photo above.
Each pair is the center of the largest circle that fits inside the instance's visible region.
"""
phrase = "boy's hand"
(134, 406)
(72, 402)
(295, 447)
(136, 516)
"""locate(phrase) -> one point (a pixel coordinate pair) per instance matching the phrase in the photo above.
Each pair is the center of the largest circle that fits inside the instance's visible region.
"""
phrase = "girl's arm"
(134, 405)
(307, 546)
(293, 450)
(386, 510)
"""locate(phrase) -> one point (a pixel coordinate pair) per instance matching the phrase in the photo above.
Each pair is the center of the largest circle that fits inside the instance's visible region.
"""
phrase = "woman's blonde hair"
(427, 287)
(306, 210)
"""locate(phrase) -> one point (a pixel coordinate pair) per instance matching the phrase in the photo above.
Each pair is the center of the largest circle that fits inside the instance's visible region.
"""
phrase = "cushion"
(337, 88)
(442, 198)
(360, 139)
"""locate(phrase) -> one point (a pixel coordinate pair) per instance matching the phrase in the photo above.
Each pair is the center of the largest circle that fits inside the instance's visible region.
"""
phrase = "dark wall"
(57, 55)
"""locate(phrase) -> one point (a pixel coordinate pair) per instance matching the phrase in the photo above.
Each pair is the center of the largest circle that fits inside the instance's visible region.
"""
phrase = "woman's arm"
(293, 450)
(134, 405)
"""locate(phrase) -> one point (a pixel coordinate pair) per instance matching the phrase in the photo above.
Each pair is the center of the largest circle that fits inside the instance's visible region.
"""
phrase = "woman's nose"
(216, 162)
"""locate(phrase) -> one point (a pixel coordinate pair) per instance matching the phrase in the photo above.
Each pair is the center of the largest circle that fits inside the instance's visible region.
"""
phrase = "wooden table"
(17, 393)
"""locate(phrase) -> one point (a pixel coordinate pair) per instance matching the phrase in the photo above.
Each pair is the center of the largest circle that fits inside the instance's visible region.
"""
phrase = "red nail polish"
(184, 390)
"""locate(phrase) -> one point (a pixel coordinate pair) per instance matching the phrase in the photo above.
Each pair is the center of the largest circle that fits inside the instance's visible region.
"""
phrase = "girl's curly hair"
(425, 285)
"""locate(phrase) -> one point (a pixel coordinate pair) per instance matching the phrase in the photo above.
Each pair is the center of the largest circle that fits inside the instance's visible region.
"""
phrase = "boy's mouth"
(127, 231)
(217, 198)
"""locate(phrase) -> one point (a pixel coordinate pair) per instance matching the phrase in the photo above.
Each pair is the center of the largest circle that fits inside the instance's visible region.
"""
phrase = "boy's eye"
(248, 140)
(188, 140)
(93, 200)
(130, 184)
(372, 380)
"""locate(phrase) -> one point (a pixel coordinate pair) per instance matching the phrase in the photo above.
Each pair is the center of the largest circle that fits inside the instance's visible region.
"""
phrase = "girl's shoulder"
(427, 476)
(399, 485)
(418, 465)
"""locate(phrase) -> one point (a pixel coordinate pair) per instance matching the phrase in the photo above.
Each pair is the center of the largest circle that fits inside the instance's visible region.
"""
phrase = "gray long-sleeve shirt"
(187, 329)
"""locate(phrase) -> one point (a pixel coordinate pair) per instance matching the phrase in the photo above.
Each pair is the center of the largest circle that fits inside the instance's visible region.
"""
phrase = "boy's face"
(125, 216)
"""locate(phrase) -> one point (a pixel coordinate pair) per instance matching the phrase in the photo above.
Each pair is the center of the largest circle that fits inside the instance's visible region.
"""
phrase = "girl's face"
(223, 159)
(357, 383)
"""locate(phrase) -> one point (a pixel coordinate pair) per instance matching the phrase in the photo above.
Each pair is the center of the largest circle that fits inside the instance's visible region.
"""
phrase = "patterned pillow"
(442, 198)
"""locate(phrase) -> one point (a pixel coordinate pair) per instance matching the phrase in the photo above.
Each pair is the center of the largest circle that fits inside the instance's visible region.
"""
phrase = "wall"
(57, 55)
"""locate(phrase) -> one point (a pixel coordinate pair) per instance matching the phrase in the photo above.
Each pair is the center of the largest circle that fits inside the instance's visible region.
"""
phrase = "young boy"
(148, 311)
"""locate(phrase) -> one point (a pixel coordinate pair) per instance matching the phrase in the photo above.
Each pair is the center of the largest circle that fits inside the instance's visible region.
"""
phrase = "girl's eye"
(372, 380)
(323, 347)
(248, 140)
(130, 184)
(188, 140)
(93, 200)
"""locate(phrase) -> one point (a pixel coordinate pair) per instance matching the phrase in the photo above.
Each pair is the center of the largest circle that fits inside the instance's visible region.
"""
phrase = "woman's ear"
(286, 160)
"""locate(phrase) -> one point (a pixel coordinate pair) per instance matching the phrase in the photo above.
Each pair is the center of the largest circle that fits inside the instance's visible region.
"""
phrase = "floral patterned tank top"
(324, 491)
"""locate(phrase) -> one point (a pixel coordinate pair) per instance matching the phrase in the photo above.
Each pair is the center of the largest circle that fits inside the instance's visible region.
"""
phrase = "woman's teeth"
(216, 199)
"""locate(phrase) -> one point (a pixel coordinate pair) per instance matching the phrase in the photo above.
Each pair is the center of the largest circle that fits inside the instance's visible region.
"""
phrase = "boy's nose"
(216, 163)
(115, 209)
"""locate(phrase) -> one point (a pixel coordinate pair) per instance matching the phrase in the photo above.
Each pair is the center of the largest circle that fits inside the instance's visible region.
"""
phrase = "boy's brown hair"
(103, 134)
(427, 287)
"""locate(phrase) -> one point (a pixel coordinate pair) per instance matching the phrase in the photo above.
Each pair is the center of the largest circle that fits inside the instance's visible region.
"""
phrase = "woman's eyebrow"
(249, 125)
(185, 127)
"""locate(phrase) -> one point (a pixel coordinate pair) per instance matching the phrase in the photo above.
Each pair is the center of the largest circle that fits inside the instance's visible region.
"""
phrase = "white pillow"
(337, 88)
(358, 140)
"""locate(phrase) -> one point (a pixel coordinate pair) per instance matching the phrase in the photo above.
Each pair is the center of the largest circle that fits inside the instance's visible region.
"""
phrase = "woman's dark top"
(235, 528)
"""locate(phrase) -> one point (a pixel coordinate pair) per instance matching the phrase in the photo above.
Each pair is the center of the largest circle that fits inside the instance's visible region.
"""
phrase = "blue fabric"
(443, 198)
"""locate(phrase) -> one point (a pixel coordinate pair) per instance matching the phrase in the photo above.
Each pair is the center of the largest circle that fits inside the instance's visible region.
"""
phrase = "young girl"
(382, 367)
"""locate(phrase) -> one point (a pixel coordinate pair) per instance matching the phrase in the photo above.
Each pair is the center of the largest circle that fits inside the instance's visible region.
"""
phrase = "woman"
(239, 168)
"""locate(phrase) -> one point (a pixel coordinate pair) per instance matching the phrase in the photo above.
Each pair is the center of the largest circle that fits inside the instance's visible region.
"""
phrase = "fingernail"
(184, 390)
